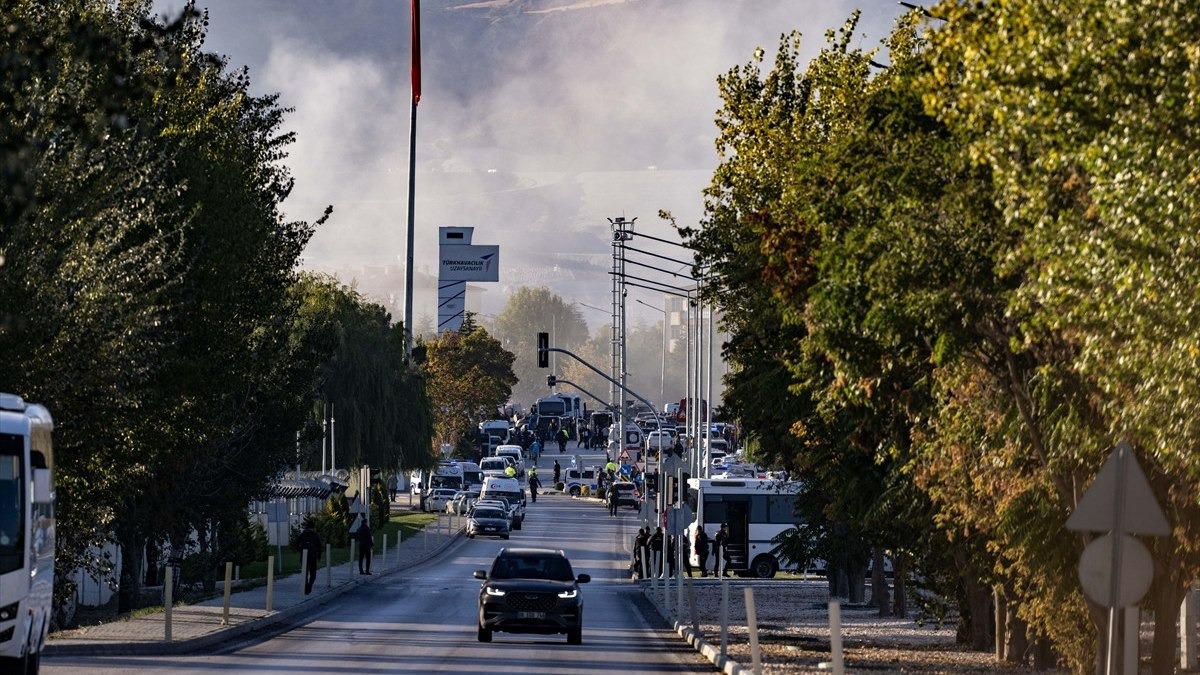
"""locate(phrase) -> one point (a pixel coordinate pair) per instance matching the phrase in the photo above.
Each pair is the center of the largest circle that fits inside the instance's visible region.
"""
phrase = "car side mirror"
(480, 574)
(583, 578)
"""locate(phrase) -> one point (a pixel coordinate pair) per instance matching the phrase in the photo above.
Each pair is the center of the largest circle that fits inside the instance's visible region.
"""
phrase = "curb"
(223, 634)
(706, 649)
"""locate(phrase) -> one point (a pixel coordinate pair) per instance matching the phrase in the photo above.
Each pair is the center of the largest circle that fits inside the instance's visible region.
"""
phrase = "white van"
(511, 490)
(513, 452)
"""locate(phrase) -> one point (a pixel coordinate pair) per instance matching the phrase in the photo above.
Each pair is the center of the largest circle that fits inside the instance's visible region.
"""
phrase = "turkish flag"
(416, 51)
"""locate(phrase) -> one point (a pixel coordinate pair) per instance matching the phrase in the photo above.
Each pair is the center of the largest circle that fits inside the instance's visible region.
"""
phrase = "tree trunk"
(880, 594)
(129, 583)
(900, 591)
(979, 600)
(1166, 594)
(1016, 643)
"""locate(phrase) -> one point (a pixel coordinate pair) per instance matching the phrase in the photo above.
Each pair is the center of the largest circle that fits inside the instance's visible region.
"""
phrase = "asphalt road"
(424, 620)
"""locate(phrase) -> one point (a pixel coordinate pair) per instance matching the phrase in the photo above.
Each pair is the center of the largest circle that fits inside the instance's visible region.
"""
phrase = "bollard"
(399, 540)
(724, 617)
(270, 581)
(168, 586)
(835, 638)
(228, 591)
(383, 560)
(692, 606)
(752, 628)
(353, 556)
(328, 565)
(303, 572)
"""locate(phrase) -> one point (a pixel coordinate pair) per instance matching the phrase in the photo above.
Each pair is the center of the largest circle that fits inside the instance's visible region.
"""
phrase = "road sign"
(1133, 510)
(1095, 565)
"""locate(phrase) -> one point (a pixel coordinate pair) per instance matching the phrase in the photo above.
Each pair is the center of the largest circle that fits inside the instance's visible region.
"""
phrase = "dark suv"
(531, 590)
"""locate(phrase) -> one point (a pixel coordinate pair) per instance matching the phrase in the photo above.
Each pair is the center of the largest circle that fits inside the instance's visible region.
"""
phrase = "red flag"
(416, 51)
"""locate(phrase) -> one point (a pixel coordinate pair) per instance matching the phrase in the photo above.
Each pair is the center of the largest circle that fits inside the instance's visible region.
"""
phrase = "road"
(423, 620)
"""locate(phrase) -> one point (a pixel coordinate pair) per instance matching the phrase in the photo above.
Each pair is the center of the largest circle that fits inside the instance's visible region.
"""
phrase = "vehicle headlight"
(569, 594)
(495, 591)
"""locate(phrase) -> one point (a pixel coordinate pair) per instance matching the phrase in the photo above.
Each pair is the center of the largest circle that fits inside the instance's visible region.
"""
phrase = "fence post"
(835, 637)
(228, 591)
(270, 581)
(752, 628)
(724, 617)
(168, 587)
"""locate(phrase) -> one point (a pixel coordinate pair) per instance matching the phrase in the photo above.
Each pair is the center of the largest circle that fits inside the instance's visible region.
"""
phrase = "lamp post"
(662, 386)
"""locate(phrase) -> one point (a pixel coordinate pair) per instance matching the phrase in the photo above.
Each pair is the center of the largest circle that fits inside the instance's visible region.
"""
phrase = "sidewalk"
(199, 626)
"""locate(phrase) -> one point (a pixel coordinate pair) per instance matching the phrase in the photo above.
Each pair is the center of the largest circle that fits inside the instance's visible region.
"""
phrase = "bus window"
(781, 509)
(714, 509)
(12, 512)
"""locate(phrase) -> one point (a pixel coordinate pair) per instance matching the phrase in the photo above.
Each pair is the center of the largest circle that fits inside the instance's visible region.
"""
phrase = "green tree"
(470, 377)
(530, 311)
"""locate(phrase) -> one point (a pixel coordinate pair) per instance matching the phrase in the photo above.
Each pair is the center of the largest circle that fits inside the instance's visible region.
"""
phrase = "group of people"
(308, 543)
(648, 553)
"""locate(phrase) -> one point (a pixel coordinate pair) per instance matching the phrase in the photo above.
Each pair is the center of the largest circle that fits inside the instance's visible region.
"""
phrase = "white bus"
(26, 533)
(754, 510)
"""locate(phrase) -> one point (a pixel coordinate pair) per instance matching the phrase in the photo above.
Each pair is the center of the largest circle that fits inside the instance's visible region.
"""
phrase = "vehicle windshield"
(12, 514)
(489, 513)
(552, 568)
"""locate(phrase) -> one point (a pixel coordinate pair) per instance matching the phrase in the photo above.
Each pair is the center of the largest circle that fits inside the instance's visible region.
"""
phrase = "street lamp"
(662, 387)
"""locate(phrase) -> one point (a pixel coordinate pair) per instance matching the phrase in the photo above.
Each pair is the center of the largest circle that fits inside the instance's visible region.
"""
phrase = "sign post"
(1115, 569)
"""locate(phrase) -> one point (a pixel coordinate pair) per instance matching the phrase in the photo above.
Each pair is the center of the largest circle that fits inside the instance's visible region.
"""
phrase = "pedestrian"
(393, 486)
(365, 543)
(563, 437)
(535, 451)
(584, 436)
(611, 498)
(557, 472)
(702, 550)
(656, 551)
(721, 551)
(534, 484)
(641, 553)
(309, 545)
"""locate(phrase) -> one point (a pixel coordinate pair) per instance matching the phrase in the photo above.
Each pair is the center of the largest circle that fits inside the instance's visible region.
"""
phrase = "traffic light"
(551, 381)
(543, 350)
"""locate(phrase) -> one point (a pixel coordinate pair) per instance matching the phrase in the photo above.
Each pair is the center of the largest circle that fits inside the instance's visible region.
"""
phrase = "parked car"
(438, 498)
(627, 494)
(462, 502)
(531, 590)
(489, 521)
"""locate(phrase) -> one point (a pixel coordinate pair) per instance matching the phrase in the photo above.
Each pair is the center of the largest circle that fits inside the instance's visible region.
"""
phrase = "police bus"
(26, 532)
(754, 511)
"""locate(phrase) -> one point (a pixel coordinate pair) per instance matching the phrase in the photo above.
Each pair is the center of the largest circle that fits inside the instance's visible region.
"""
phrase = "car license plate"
(531, 615)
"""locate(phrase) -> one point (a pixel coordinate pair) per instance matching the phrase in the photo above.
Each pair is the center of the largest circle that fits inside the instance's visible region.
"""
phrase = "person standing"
(641, 553)
(563, 437)
(721, 551)
(309, 545)
(366, 541)
(702, 550)
(534, 485)
(584, 436)
(557, 472)
(611, 498)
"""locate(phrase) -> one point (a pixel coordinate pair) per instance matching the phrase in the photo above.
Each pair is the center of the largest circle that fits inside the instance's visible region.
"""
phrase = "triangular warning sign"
(1139, 512)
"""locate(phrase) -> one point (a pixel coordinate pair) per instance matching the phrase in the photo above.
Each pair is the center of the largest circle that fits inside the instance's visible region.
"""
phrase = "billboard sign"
(469, 263)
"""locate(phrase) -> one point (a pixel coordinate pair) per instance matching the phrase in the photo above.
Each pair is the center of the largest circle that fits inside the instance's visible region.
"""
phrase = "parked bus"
(26, 532)
(754, 510)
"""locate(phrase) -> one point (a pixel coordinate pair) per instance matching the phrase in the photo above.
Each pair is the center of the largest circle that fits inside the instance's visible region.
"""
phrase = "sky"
(539, 121)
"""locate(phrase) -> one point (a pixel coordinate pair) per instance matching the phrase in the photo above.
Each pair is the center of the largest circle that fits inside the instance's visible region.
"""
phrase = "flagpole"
(412, 177)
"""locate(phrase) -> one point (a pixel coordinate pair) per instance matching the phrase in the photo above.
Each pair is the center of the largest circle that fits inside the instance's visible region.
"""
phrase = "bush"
(560, 486)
